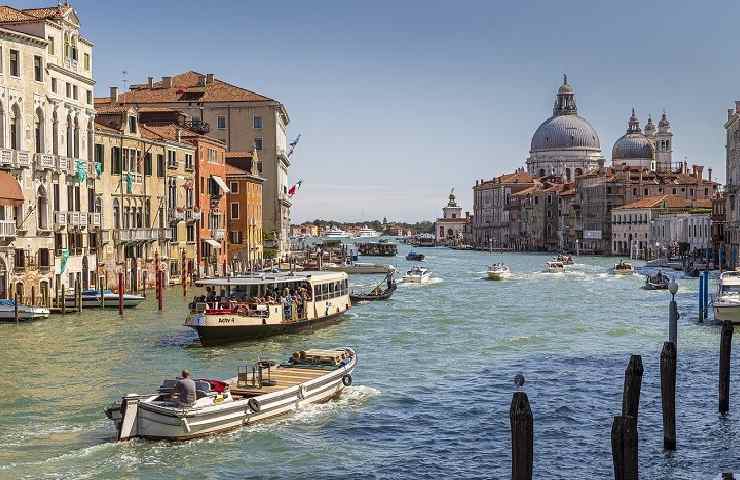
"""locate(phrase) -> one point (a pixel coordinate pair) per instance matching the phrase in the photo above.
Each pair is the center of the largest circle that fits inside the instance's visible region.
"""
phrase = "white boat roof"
(730, 278)
(272, 278)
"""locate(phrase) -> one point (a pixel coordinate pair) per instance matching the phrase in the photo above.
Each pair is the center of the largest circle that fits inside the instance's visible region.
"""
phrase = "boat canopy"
(272, 278)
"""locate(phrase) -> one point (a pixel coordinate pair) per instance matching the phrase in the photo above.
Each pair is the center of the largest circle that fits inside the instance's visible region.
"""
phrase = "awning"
(213, 243)
(10, 190)
(221, 183)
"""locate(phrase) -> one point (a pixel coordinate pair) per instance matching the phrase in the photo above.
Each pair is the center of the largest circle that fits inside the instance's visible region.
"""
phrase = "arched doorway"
(3, 280)
(19, 291)
(44, 288)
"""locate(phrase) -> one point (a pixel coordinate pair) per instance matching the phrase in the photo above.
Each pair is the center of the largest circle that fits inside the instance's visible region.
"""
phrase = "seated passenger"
(185, 391)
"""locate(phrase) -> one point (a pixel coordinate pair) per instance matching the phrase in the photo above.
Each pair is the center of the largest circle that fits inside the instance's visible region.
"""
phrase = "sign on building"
(592, 234)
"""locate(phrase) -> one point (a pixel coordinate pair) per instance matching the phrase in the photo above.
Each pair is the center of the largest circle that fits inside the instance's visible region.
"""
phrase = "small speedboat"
(413, 256)
(417, 275)
(564, 259)
(259, 392)
(727, 300)
(498, 271)
(25, 312)
(553, 266)
(91, 299)
(659, 281)
(623, 268)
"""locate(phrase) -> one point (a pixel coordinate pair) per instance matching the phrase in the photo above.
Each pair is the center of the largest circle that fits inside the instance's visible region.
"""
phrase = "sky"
(400, 101)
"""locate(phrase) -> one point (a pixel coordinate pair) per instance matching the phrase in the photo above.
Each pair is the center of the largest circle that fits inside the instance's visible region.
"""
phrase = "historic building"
(244, 121)
(46, 131)
(450, 228)
(565, 145)
(651, 150)
(244, 210)
(492, 208)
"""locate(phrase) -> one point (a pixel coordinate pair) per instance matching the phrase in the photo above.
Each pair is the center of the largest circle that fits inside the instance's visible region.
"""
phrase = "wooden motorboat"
(92, 299)
(261, 305)
(564, 259)
(25, 312)
(498, 271)
(623, 268)
(414, 256)
(257, 393)
(554, 266)
(659, 281)
(726, 302)
(417, 275)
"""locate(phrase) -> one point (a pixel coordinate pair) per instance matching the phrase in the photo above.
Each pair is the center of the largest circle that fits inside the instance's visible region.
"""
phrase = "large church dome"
(565, 129)
(633, 145)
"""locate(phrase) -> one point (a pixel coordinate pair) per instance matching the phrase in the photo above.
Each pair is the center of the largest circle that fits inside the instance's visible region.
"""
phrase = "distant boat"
(623, 268)
(417, 275)
(366, 232)
(91, 299)
(498, 271)
(25, 312)
(358, 267)
(564, 259)
(727, 300)
(554, 266)
(335, 232)
(413, 256)
(659, 281)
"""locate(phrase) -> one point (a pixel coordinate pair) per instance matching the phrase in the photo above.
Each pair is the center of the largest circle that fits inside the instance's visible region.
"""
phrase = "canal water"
(430, 398)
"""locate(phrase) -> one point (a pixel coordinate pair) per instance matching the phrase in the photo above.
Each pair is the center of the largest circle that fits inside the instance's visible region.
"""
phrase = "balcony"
(177, 214)
(44, 161)
(105, 236)
(218, 234)
(83, 220)
(7, 228)
(23, 159)
(95, 219)
(172, 163)
(6, 158)
(73, 219)
(192, 215)
(135, 235)
(71, 64)
(197, 126)
(62, 163)
(165, 234)
(72, 165)
(60, 219)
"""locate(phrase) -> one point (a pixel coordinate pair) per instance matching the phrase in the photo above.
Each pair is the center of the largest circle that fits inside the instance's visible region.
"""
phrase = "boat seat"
(168, 386)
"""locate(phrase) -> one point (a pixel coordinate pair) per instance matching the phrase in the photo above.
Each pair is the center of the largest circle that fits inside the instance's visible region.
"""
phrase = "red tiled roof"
(232, 170)
(660, 201)
(12, 15)
(239, 154)
(186, 88)
(10, 190)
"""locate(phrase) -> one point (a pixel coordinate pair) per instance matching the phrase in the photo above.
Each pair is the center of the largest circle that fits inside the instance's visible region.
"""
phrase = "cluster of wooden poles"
(624, 427)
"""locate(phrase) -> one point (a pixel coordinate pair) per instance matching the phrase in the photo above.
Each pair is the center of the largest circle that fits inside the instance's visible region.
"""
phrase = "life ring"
(347, 380)
(253, 405)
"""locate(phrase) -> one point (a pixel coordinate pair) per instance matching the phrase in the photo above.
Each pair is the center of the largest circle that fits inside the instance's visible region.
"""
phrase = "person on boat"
(210, 295)
(185, 390)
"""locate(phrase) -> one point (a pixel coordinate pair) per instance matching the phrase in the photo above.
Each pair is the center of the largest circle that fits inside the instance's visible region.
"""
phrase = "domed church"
(565, 144)
(645, 150)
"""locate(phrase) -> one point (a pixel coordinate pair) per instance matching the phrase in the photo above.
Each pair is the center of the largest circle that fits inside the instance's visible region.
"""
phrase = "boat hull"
(25, 313)
(220, 334)
(498, 275)
(729, 313)
(111, 301)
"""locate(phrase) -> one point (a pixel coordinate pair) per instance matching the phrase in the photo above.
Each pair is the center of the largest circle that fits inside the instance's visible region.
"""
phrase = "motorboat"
(25, 312)
(553, 266)
(358, 267)
(727, 300)
(366, 232)
(414, 256)
(659, 281)
(91, 298)
(259, 392)
(564, 259)
(623, 268)
(260, 305)
(335, 232)
(498, 271)
(417, 275)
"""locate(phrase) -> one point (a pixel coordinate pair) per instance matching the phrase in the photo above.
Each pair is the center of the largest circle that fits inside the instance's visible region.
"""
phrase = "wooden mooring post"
(668, 394)
(15, 307)
(64, 299)
(624, 447)
(159, 289)
(183, 277)
(522, 437)
(632, 385)
(725, 349)
(120, 293)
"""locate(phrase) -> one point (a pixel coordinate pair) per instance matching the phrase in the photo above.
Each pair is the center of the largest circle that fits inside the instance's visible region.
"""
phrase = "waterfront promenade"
(430, 398)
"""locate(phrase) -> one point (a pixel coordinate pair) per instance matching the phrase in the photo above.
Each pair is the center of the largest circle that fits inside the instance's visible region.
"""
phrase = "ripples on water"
(431, 395)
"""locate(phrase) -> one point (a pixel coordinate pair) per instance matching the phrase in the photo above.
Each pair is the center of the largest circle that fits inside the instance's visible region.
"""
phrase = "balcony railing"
(7, 228)
(198, 126)
(192, 215)
(177, 214)
(95, 219)
(60, 219)
(7, 158)
(23, 159)
(137, 234)
(73, 218)
(105, 236)
(165, 234)
(44, 161)
(83, 220)
(62, 163)
(218, 234)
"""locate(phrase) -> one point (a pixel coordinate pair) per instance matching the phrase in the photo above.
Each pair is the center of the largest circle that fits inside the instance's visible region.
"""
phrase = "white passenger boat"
(554, 266)
(261, 305)
(623, 268)
(417, 275)
(498, 271)
(257, 393)
(91, 299)
(366, 232)
(727, 300)
(564, 259)
(335, 232)
(25, 312)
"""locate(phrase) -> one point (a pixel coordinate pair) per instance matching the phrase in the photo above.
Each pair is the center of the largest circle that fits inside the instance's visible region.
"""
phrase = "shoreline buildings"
(450, 229)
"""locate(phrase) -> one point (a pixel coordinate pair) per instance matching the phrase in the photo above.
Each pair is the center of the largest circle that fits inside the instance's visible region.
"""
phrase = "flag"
(65, 258)
(81, 168)
(294, 189)
(293, 144)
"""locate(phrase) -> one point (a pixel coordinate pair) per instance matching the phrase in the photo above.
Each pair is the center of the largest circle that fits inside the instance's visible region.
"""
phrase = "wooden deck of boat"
(283, 377)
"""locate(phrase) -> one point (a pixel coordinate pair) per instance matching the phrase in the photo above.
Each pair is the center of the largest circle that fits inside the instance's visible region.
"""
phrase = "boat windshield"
(730, 290)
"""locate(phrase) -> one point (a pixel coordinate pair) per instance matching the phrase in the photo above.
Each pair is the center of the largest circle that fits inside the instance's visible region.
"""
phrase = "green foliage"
(422, 226)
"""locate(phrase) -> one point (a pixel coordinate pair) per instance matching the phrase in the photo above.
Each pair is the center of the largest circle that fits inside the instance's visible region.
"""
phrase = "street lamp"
(673, 288)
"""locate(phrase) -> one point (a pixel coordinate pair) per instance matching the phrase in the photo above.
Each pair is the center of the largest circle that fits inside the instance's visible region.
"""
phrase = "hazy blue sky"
(398, 101)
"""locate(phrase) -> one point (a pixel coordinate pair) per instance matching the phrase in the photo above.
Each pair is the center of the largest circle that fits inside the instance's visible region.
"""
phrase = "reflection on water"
(431, 393)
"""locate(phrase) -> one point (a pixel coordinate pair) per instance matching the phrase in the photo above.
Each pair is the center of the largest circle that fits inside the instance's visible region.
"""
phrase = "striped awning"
(10, 190)
(213, 243)
(221, 183)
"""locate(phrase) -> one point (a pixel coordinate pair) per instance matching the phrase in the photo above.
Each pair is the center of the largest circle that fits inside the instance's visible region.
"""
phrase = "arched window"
(55, 135)
(15, 127)
(90, 141)
(116, 214)
(567, 174)
(38, 131)
(579, 172)
(3, 280)
(42, 207)
(76, 139)
(70, 137)
(2, 129)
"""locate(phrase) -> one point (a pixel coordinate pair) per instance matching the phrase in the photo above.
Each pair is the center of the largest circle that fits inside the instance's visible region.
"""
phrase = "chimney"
(179, 136)
(699, 172)
(150, 82)
(166, 82)
(114, 94)
(710, 175)
(209, 78)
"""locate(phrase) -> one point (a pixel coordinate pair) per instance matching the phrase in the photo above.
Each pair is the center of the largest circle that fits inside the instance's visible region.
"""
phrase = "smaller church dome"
(633, 145)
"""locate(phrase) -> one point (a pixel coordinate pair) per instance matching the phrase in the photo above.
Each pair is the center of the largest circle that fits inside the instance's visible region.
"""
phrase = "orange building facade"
(244, 211)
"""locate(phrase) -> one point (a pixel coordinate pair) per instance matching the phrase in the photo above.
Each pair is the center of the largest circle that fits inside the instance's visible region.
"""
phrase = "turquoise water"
(430, 397)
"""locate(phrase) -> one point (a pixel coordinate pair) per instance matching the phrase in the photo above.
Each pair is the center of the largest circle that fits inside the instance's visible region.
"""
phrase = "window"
(148, 164)
(234, 187)
(115, 159)
(235, 237)
(191, 233)
(38, 69)
(132, 124)
(234, 211)
(15, 69)
(88, 97)
(258, 143)
(50, 48)
(221, 122)
(160, 166)
(86, 61)
(100, 156)
(189, 161)
(53, 84)
(74, 92)
(68, 90)
(211, 155)
(171, 159)
(257, 122)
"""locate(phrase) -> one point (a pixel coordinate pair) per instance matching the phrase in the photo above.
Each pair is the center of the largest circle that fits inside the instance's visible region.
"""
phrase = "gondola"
(659, 281)
(376, 293)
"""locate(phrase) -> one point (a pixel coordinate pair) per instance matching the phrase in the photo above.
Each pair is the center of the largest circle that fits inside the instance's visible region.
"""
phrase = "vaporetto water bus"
(261, 305)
